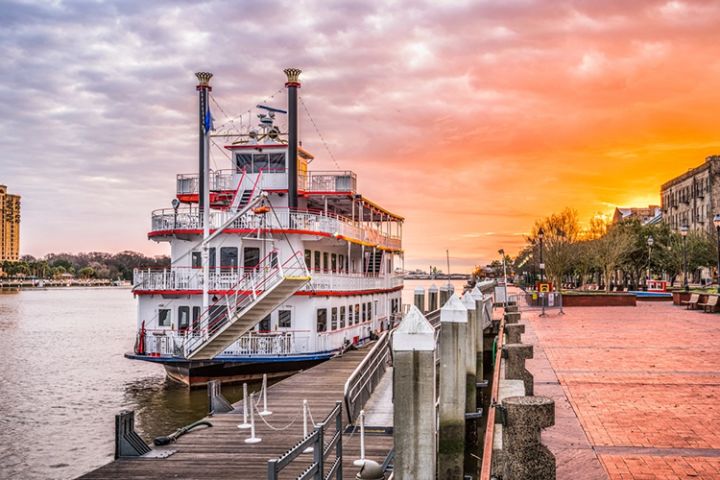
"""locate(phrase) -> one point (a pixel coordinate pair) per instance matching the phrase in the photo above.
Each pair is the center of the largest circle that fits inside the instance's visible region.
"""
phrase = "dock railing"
(366, 376)
(486, 467)
(321, 451)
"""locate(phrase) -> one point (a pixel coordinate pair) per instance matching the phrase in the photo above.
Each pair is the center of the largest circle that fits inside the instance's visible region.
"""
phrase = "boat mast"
(292, 85)
(203, 89)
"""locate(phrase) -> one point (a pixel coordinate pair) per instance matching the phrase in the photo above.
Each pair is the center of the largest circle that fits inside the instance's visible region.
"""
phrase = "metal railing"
(485, 469)
(366, 376)
(321, 451)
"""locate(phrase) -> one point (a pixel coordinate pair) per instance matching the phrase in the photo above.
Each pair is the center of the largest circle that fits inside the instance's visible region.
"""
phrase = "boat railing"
(171, 343)
(362, 382)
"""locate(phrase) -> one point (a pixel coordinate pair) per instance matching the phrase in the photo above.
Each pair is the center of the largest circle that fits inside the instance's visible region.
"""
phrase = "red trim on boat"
(317, 293)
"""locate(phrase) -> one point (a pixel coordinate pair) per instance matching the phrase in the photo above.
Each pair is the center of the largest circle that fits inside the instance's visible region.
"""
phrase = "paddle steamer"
(274, 266)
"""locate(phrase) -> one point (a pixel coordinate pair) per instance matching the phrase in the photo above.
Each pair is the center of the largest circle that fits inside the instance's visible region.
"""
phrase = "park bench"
(692, 303)
(710, 304)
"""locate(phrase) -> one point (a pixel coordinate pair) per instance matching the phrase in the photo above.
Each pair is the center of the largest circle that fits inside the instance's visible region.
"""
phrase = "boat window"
(333, 319)
(273, 259)
(260, 162)
(164, 317)
(196, 318)
(321, 319)
(342, 317)
(217, 315)
(243, 160)
(264, 325)
(350, 315)
(364, 314)
(251, 257)
(342, 263)
(326, 264)
(357, 313)
(369, 311)
(277, 162)
(183, 317)
(228, 257)
(317, 261)
(196, 260)
(308, 259)
(285, 318)
(333, 262)
(211, 254)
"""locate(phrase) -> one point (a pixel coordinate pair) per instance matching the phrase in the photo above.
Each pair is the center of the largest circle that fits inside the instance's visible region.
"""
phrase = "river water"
(64, 378)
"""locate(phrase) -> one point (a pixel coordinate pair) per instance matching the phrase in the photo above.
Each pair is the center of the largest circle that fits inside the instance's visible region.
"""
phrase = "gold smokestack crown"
(204, 78)
(293, 75)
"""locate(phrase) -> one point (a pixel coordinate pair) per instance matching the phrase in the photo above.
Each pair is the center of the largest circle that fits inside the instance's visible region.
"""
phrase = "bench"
(692, 303)
(710, 305)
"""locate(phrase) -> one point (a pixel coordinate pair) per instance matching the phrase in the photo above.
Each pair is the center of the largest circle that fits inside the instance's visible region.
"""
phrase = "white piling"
(361, 461)
(265, 411)
(253, 438)
(305, 425)
(245, 423)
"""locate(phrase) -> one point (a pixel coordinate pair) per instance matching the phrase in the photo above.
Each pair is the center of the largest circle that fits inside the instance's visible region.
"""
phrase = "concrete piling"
(453, 347)
(516, 354)
(472, 447)
(512, 317)
(444, 294)
(419, 299)
(514, 332)
(414, 416)
(525, 457)
(432, 298)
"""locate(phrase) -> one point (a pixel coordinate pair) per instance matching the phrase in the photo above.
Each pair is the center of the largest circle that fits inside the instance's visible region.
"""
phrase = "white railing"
(227, 180)
(183, 278)
(172, 343)
(168, 219)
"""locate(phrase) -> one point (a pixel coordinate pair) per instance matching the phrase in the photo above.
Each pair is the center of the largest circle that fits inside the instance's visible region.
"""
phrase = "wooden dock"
(221, 452)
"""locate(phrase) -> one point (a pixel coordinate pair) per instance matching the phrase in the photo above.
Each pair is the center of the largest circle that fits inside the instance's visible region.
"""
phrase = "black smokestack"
(292, 84)
(203, 88)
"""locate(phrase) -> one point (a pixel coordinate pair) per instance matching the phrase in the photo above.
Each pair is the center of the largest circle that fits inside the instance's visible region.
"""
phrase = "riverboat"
(274, 267)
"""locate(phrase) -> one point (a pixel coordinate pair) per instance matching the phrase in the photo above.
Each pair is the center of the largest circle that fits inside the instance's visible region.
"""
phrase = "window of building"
(197, 258)
(228, 257)
(264, 325)
(251, 257)
(196, 318)
(183, 317)
(369, 311)
(342, 263)
(321, 319)
(164, 317)
(333, 318)
(333, 262)
(284, 318)
(308, 259)
(364, 313)
(342, 317)
(243, 161)
(317, 266)
(326, 264)
(277, 162)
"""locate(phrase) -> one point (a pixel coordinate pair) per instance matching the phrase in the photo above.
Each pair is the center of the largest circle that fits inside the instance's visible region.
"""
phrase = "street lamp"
(650, 243)
(683, 233)
(716, 221)
(502, 254)
(541, 235)
(175, 204)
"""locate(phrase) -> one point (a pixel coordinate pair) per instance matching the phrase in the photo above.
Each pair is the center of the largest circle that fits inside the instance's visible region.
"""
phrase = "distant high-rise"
(9, 225)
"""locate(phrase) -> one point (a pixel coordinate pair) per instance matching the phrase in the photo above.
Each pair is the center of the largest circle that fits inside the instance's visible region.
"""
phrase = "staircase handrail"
(237, 190)
(363, 380)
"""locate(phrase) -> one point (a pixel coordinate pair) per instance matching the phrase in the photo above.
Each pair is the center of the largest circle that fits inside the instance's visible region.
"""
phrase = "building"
(693, 198)
(645, 214)
(9, 225)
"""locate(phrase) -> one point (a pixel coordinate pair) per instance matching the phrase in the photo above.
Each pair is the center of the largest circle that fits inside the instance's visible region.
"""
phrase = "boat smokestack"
(292, 85)
(203, 88)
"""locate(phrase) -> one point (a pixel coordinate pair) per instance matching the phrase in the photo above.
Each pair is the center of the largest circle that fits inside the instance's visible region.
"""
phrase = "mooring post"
(414, 416)
(127, 442)
(453, 346)
(216, 402)
(514, 332)
(444, 294)
(516, 354)
(525, 457)
(512, 317)
(432, 298)
(472, 450)
(419, 299)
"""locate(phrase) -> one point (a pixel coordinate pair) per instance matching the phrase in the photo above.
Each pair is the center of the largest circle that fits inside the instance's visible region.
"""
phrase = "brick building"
(9, 225)
(693, 198)
(645, 214)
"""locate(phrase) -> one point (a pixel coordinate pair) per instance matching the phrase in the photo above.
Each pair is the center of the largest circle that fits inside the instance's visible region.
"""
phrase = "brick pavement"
(644, 383)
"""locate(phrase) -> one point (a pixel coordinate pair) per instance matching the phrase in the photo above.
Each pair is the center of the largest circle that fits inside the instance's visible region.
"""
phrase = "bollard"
(253, 438)
(245, 423)
(512, 317)
(265, 411)
(479, 332)
(516, 354)
(361, 461)
(306, 412)
(127, 442)
(419, 299)
(472, 446)
(451, 432)
(444, 295)
(432, 298)
(514, 332)
(525, 457)
(414, 416)
(511, 308)
(216, 402)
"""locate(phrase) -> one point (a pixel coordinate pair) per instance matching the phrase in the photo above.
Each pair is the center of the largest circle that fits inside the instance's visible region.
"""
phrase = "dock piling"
(516, 354)
(419, 298)
(432, 298)
(471, 424)
(525, 457)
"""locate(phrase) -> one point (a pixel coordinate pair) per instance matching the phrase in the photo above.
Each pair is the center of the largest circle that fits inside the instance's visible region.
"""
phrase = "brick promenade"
(637, 390)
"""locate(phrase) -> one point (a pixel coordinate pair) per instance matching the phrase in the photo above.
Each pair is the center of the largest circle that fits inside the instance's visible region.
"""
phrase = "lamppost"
(683, 233)
(650, 243)
(502, 254)
(541, 235)
(716, 221)
(175, 204)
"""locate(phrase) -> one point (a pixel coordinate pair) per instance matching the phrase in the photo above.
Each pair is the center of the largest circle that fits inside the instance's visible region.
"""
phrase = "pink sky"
(471, 119)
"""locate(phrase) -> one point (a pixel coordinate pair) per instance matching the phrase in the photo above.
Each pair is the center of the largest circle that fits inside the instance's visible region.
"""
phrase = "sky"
(469, 118)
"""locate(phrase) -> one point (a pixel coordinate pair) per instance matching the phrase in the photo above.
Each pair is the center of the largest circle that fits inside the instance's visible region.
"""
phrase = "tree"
(609, 249)
(86, 272)
(561, 232)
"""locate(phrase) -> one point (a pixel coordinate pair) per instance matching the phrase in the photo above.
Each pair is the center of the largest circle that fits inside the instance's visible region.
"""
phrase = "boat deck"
(221, 452)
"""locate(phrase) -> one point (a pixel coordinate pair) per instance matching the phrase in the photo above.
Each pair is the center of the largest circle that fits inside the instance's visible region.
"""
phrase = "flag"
(208, 123)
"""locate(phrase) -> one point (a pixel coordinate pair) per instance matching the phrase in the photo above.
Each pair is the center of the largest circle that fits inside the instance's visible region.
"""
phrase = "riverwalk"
(636, 390)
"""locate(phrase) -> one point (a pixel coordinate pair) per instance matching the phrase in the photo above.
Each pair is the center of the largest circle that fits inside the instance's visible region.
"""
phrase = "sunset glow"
(470, 119)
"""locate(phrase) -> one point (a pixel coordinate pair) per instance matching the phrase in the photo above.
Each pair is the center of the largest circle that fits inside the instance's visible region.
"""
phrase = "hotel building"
(9, 225)
(693, 198)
